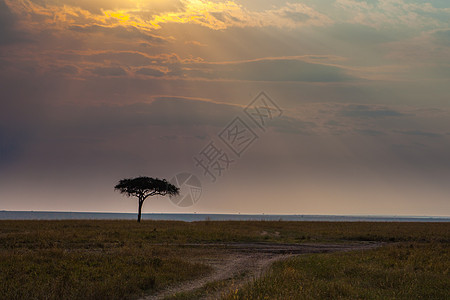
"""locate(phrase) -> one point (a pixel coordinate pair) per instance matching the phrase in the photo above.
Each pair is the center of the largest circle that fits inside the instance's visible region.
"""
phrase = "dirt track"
(249, 261)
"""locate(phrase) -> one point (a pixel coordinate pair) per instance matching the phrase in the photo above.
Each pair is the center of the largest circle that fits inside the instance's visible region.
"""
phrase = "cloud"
(365, 111)
(99, 6)
(127, 26)
(360, 34)
(292, 15)
(393, 13)
(370, 132)
(94, 7)
(88, 59)
(98, 122)
(131, 16)
(420, 133)
(124, 58)
(168, 110)
(66, 70)
(426, 47)
(269, 69)
(150, 72)
(281, 69)
(109, 71)
(195, 43)
(163, 111)
(170, 65)
(285, 124)
(120, 32)
(296, 16)
(221, 15)
(9, 34)
(333, 123)
(443, 37)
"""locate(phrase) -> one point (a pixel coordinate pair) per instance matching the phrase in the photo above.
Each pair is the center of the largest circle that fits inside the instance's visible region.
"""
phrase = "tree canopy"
(144, 187)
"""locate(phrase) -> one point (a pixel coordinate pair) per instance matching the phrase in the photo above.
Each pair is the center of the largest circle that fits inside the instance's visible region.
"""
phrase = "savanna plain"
(96, 259)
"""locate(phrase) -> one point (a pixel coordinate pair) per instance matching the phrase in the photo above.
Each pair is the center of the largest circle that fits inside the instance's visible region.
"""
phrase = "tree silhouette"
(144, 187)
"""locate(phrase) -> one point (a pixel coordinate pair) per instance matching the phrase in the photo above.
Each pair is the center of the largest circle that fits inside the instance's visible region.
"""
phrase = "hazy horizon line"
(224, 213)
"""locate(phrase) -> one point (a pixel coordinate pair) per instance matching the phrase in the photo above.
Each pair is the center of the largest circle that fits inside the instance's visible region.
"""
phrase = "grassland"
(401, 271)
(126, 260)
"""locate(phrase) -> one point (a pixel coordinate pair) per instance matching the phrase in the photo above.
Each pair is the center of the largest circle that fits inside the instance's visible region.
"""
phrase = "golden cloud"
(212, 14)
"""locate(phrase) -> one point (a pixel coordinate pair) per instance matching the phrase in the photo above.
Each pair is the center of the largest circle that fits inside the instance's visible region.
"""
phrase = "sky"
(275, 107)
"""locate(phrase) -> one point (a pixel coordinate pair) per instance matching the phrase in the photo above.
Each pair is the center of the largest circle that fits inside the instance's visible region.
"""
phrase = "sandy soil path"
(249, 261)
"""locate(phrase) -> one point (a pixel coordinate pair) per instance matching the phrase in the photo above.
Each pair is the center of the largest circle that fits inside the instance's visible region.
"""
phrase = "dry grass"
(401, 271)
(123, 259)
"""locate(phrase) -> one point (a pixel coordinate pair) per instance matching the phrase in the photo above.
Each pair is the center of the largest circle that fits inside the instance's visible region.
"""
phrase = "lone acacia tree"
(144, 187)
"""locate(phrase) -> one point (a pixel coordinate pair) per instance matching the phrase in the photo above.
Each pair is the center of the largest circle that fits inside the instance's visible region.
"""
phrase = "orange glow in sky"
(93, 91)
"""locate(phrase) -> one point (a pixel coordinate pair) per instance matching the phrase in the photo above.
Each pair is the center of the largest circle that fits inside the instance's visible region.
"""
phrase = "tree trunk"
(140, 209)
